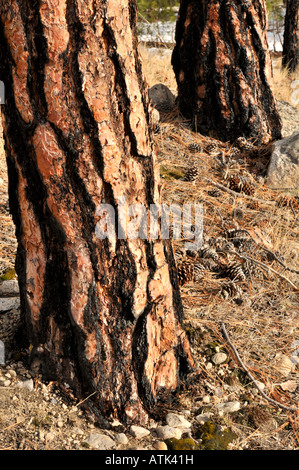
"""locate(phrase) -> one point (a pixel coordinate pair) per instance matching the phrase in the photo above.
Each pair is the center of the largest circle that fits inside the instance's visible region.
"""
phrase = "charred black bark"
(223, 70)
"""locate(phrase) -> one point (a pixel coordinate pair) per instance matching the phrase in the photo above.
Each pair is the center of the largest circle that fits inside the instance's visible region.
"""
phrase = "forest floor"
(255, 299)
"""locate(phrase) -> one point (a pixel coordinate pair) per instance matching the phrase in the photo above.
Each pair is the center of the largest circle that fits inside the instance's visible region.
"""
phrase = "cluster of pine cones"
(191, 266)
(240, 184)
(243, 145)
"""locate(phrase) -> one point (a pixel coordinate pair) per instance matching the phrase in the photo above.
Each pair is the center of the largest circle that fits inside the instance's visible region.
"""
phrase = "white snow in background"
(165, 32)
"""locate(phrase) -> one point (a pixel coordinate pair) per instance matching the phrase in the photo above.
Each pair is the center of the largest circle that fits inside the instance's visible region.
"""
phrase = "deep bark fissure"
(29, 11)
(228, 40)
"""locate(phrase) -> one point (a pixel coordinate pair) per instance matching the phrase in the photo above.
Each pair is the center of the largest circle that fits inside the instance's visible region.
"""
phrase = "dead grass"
(284, 84)
(157, 68)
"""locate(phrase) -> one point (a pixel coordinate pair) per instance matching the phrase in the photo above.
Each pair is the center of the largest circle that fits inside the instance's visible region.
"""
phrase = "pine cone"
(199, 270)
(234, 183)
(235, 272)
(195, 147)
(254, 205)
(212, 149)
(215, 193)
(208, 252)
(185, 271)
(248, 189)
(239, 184)
(288, 201)
(192, 174)
(230, 290)
(234, 151)
(235, 233)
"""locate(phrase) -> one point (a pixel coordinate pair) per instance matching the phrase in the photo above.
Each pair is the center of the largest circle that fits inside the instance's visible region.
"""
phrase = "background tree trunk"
(103, 316)
(223, 69)
(290, 52)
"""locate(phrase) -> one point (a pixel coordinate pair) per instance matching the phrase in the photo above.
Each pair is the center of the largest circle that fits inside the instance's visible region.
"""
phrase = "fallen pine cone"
(240, 184)
(195, 147)
(191, 174)
(185, 271)
(235, 272)
(230, 290)
(288, 201)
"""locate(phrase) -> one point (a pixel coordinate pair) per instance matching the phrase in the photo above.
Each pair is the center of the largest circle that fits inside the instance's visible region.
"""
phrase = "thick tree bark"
(105, 315)
(223, 69)
(290, 52)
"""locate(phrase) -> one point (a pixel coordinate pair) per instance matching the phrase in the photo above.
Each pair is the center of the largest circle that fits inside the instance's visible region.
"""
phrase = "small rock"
(26, 385)
(167, 432)
(9, 303)
(9, 288)
(121, 438)
(100, 441)
(283, 169)
(203, 418)
(161, 98)
(155, 116)
(219, 358)
(160, 445)
(50, 436)
(12, 373)
(289, 385)
(261, 385)
(228, 407)
(177, 421)
(206, 399)
(138, 432)
(284, 365)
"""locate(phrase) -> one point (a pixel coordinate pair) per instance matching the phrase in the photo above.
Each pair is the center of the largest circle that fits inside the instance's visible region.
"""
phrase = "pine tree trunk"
(290, 53)
(223, 69)
(102, 315)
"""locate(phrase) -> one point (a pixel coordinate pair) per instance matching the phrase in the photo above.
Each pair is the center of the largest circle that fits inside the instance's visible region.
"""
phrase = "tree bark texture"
(105, 315)
(290, 52)
(223, 69)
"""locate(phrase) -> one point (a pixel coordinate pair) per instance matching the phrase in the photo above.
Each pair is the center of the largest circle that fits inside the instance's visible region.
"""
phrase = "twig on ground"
(204, 201)
(82, 401)
(234, 193)
(280, 405)
(249, 258)
(287, 268)
(271, 269)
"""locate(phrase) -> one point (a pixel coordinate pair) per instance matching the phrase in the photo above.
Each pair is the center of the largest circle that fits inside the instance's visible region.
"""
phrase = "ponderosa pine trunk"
(223, 69)
(102, 315)
(290, 52)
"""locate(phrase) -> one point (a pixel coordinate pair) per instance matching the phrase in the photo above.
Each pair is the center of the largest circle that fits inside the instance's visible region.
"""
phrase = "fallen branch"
(275, 257)
(269, 268)
(248, 258)
(280, 405)
(234, 193)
